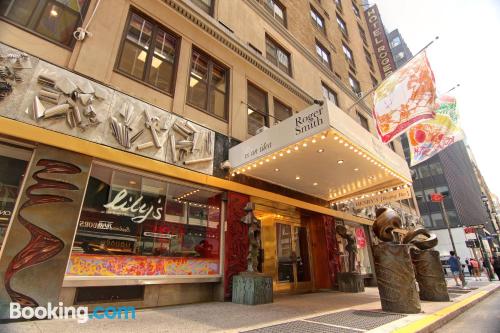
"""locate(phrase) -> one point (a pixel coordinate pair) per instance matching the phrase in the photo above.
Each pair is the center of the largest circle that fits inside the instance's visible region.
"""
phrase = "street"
(483, 317)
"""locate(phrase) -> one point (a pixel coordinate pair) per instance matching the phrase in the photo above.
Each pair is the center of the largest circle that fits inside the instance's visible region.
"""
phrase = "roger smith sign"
(306, 123)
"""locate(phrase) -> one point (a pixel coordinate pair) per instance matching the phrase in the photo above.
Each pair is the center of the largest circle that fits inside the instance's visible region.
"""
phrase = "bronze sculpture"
(351, 248)
(254, 242)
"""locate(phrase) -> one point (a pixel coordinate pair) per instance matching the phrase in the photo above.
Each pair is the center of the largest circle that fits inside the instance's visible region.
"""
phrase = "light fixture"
(276, 169)
(255, 165)
(315, 184)
(323, 137)
(267, 160)
(341, 141)
(313, 140)
(321, 150)
(296, 148)
(132, 182)
(335, 137)
(356, 169)
(261, 162)
(304, 144)
(297, 177)
(53, 11)
(274, 157)
(281, 154)
(340, 162)
(346, 144)
(288, 151)
(233, 174)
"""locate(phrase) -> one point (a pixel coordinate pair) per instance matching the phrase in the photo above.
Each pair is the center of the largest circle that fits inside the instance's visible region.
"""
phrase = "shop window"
(318, 21)
(278, 56)
(13, 165)
(324, 55)
(53, 20)
(277, 10)
(148, 53)
(208, 85)
(257, 109)
(281, 111)
(362, 262)
(206, 5)
(329, 94)
(133, 224)
(342, 26)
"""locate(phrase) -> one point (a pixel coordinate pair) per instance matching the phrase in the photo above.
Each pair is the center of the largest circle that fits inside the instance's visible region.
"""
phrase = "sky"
(467, 52)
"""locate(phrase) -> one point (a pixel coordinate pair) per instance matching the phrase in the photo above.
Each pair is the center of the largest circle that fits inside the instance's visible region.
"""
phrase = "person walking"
(475, 268)
(496, 266)
(469, 266)
(455, 267)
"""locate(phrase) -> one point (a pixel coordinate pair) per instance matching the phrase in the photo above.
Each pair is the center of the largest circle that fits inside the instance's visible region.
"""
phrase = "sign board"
(436, 197)
(381, 47)
(472, 243)
(382, 198)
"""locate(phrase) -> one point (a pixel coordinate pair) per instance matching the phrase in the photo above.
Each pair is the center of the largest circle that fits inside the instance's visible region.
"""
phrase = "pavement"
(326, 311)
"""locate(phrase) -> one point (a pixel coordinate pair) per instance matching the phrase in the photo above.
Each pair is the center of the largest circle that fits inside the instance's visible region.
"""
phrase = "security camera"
(226, 165)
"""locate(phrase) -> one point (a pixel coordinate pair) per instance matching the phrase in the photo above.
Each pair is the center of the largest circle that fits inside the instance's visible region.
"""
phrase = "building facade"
(117, 183)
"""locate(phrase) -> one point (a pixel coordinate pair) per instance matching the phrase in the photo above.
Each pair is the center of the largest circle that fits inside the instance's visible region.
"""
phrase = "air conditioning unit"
(262, 129)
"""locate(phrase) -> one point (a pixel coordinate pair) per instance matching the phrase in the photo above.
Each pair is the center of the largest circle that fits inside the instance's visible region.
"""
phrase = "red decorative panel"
(332, 248)
(236, 240)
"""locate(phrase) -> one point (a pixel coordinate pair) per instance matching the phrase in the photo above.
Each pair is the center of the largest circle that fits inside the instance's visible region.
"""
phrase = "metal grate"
(357, 319)
(300, 326)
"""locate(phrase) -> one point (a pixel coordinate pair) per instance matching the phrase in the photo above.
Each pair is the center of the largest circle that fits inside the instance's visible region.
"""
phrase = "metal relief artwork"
(254, 242)
(37, 245)
(38, 93)
(350, 247)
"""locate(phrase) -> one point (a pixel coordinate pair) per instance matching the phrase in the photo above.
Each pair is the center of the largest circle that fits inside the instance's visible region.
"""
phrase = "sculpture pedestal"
(430, 276)
(252, 288)
(396, 278)
(351, 282)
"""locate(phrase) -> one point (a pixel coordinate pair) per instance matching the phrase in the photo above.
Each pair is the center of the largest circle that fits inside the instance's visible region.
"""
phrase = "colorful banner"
(428, 138)
(404, 98)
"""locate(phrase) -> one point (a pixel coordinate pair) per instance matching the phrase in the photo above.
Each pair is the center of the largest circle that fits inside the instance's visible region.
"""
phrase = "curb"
(433, 321)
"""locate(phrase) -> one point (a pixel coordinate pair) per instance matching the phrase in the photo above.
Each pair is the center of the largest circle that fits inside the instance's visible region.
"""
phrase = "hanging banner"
(382, 198)
(429, 137)
(405, 98)
(360, 238)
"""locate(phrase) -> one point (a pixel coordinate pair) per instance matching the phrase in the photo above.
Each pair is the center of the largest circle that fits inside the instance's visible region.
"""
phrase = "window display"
(362, 263)
(13, 163)
(132, 224)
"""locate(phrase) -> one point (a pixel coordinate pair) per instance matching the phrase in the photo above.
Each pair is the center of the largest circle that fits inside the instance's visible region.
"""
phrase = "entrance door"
(292, 258)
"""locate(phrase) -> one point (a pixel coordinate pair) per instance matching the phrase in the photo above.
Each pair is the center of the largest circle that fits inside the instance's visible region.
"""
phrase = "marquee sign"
(378, 199)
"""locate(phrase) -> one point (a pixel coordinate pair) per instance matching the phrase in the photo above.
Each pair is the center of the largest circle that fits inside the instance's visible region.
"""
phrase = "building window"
(258, 115)
(338, 4)
(148, 53)
(342, 26)
(348, 55)
(400, 55)
(395, 42)
(54, 20)
(277, 10)
(368, 58)
(329, 94)
(363, 121)
(323, 55)
(208, 85)
(437, 219)
(374, 81)
(278, 56)
(175, 231)
(428, 192)
(443, 189)
(436, 168)
(355, 9)
(419, 195)
(281, 111)
(427, 221)
(318, 20)
(423, 172)
(362, 33)
(452, 218)
(354, 85)
(206, 5)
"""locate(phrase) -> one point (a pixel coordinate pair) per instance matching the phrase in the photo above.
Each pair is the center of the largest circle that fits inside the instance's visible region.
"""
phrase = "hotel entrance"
(286, 250)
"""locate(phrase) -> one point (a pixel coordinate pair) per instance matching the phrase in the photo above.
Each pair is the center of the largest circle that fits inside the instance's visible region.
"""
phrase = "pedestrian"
(469, 266)
(455, 267)
(475, 268)
(496, 266)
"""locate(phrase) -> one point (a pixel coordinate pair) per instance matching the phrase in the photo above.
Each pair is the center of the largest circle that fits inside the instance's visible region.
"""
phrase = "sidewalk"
(327, 311)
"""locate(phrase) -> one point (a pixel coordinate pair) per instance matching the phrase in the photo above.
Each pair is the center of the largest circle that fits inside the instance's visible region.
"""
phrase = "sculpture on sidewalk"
(351, 248)
(254, 243)
(350, 281)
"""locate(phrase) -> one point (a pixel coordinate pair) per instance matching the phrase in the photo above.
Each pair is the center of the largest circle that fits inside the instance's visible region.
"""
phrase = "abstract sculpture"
(350, 281)
(350, 247)
(254, 243)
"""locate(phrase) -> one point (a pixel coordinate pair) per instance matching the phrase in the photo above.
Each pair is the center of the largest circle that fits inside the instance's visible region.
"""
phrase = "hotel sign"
(380, 43)
(383, 198)
(304, 124)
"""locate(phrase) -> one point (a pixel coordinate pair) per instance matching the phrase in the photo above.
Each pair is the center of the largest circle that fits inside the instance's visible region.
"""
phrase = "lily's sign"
(306, 123)
(123, 203)
(380, 44)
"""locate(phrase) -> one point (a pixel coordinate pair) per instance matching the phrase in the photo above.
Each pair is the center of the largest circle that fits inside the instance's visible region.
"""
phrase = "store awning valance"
(320, 151)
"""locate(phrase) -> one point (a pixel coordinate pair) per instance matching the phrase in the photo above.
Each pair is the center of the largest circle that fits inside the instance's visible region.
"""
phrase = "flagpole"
(378, 85)
(454, 87)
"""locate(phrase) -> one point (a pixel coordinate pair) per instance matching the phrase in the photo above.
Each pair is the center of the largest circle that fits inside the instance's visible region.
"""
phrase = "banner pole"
(378, 85)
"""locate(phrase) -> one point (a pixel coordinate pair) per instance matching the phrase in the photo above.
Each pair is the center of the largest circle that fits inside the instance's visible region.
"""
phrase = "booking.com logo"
(81, 313)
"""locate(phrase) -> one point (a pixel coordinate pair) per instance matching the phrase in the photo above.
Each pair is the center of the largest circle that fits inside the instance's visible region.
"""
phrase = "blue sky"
(467, 52)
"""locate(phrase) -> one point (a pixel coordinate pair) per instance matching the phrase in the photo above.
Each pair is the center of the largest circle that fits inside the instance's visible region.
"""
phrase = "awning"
(321, 151)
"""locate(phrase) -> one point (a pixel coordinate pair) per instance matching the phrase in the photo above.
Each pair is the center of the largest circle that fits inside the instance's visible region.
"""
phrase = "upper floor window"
(395, 41)
(148, 53)
(348, 54)
(342, 26)
(400, 55)
(318, 20)
(363, 121)
(362, 33)
(54, 20)
(355, 9)
(354, 84)
(374, 81)
(208, 85)
(323, 54)
(281, 111)
(278, 56)
(368, 58)
(277, 10)
(436, 168)
(329, 94)
(258, 114)
(206, 5)
(338, 3)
